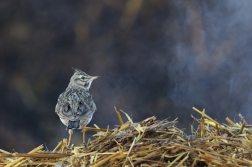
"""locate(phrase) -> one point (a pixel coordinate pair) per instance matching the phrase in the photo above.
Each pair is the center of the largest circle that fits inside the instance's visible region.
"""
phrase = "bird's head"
(81, 79)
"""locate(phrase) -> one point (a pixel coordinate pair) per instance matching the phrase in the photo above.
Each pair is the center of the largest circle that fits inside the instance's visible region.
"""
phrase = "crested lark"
(75, 105)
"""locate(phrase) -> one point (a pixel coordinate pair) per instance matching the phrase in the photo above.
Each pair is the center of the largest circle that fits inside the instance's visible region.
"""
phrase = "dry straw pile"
(150, 143)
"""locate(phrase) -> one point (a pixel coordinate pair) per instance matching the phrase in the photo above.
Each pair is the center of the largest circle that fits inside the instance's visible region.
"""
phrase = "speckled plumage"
(75, 105)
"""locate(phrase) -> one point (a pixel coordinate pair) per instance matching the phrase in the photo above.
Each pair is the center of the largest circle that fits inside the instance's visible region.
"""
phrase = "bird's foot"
(70, 147)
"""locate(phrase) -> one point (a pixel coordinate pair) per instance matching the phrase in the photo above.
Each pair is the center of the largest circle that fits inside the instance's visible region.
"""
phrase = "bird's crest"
(78, 72)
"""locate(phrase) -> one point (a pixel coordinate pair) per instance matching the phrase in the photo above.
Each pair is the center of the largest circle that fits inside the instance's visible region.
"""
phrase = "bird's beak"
(94, 77)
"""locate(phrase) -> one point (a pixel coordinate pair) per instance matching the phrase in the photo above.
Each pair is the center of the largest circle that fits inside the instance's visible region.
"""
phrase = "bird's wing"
(57, 107)
(86, 103)
(64, 106)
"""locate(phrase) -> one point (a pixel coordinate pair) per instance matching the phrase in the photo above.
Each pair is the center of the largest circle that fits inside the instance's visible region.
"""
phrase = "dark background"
(154, 57)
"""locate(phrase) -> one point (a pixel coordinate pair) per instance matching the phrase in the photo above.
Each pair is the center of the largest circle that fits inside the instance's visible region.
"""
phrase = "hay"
(150, 143)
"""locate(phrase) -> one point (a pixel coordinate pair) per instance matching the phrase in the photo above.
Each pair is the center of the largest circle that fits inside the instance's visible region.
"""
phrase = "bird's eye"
(82, 77)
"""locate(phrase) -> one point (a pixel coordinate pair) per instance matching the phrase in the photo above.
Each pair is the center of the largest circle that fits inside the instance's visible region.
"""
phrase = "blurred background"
(154, 57)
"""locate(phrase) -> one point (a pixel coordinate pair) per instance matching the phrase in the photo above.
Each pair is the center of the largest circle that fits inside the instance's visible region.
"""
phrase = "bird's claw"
(70, 147)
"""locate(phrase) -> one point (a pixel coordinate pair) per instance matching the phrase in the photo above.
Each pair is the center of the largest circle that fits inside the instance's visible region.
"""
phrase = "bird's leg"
(70, 131)
(84, 136)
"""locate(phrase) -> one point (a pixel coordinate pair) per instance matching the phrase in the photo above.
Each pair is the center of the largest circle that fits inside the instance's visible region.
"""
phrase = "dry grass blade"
(105, 160)
(204, 115)
(119, 116)
(176, 159)
(20, 159)
(95, 129)
(127, 157)
(58, 146)
(182, 161)
(229, 122)
(40, 155)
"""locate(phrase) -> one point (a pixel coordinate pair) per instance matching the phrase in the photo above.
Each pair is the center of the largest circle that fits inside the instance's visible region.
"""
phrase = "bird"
(75, 106)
